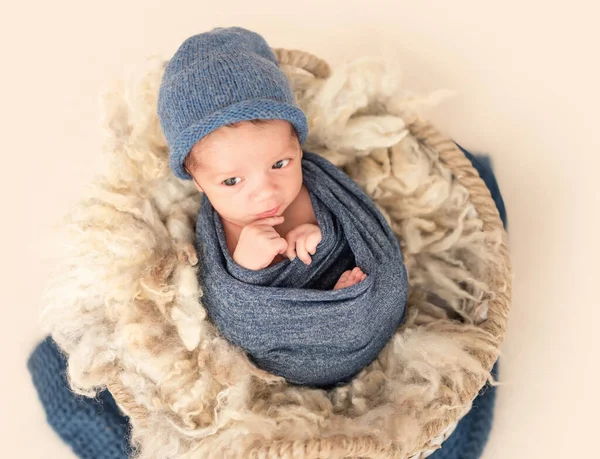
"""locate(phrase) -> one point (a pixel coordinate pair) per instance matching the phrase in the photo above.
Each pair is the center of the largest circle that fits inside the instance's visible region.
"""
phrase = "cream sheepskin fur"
(125, 305)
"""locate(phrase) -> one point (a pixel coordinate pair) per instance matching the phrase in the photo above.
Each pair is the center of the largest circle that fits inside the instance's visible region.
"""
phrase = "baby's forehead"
(222, 161)
(239, 158)
(225, 150)
(211, 149)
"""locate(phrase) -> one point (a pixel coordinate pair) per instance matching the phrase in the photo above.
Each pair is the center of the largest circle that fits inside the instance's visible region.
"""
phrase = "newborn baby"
(251, 173)
(281, 231)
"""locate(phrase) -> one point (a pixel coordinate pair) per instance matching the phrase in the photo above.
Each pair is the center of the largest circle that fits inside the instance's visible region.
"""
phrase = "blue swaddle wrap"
(287, 317)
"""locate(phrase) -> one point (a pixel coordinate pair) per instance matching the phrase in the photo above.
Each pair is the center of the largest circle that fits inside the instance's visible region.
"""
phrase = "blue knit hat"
(217, 78)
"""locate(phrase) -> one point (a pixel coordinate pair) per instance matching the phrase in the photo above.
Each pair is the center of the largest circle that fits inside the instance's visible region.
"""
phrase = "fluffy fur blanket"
(125, 305)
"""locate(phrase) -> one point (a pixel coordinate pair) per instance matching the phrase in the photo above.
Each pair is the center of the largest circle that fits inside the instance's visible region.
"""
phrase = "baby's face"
(248, 170)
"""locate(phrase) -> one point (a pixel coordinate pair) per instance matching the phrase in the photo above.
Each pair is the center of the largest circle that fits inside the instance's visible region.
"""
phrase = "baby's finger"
(270, 221)
(312, 241)
(291, 247)
(281, 245)
(291, 252)
(302, 252)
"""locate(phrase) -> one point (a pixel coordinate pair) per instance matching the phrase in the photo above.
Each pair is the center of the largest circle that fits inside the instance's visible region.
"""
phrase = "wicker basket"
(497, 276)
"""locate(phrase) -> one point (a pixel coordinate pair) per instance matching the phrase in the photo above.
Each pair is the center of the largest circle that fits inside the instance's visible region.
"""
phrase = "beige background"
(527, 73)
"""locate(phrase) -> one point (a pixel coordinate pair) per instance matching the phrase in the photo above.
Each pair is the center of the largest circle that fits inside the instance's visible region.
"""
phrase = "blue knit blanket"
(287, 317)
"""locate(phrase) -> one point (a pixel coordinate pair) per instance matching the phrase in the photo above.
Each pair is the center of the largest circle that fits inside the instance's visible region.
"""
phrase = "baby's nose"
(265, 192)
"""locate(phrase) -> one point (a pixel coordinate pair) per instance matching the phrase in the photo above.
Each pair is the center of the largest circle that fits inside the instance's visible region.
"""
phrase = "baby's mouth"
(270, 212)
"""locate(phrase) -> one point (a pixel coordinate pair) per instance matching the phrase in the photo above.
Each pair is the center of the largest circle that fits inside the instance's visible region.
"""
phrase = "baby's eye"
(281, 161)
(228, 182)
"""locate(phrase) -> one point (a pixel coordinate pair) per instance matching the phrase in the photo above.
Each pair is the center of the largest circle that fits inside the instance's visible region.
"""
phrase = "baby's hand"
(302, 241)
(259, 243)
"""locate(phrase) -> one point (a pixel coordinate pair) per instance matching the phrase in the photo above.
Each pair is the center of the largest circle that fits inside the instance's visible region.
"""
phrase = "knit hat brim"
(242, 111)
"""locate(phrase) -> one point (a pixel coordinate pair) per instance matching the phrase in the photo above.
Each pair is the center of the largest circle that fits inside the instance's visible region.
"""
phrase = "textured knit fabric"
(287, 317)
(217, 78)
(95, 429)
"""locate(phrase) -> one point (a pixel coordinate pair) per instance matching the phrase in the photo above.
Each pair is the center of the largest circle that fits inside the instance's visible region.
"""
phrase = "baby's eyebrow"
(227, 174)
